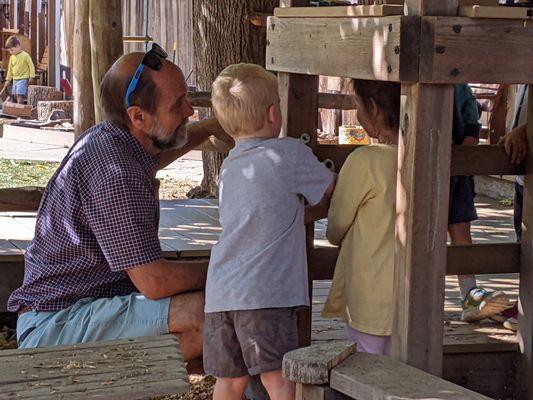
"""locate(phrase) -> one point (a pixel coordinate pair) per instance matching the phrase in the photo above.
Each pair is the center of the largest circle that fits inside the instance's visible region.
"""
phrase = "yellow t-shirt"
(20, 67)
(361, 220)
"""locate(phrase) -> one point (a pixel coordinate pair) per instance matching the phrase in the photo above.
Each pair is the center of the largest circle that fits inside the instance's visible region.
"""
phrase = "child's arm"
(351, 192)
(320, 210)
(9, 76)
(31, 67)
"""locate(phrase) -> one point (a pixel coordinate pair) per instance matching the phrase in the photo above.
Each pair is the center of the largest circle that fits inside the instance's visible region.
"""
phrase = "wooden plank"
(53, 45)
(492, 374)
(424, 154)
(299, 106)
(478, 11)
(339, 12)
(486, 258)
(373, 377)
(33, 31)
(366, 48)
(503, 50)
(325, 100)
(525, 306)
(483, 160)
(431, 7)
(312, 364)
(21, 199)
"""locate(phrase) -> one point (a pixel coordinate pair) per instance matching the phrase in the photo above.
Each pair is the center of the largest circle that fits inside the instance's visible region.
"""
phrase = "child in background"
(20, 70)
(361, 220)
(257, 274)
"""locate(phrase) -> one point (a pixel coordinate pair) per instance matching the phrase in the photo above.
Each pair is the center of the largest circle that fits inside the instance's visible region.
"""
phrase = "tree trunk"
(69, 13)
(224, 35)
(106, 43)
(81, 71)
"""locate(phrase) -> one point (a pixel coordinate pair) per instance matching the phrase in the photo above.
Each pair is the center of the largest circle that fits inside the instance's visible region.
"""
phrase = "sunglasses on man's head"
(152, 59)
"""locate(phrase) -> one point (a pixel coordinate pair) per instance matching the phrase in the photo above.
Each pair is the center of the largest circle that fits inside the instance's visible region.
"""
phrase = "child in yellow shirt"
(361, 220)
(20, 70)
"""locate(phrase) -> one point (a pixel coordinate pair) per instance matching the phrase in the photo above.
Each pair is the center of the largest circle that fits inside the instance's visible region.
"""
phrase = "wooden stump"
(42, 93)
(45, 108)
(21, 198)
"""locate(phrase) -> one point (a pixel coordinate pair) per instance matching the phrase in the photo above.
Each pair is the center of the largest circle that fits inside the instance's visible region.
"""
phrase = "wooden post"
(81, 71)
(299, 106)
(106, 43)
(424, 156)
(525, 318)
(53, 43)
(33, 32)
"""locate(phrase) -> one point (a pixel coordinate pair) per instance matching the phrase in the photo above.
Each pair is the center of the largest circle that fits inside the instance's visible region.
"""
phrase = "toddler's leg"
(370, 343)
(230, 388)
(277, 386)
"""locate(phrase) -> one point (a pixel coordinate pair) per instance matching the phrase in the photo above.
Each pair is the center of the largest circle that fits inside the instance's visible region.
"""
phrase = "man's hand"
(515, 143)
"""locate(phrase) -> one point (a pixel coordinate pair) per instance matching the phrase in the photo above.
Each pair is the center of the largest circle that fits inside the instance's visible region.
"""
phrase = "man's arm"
(199, 134)
(163, 278)
(515, 143)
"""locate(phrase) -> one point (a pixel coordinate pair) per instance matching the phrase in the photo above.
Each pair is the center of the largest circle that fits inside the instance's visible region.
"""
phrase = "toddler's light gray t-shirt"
(260, 260)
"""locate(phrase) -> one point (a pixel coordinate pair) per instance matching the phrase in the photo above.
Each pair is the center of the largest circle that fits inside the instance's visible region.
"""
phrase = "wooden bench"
(334, 371)
(123, 369)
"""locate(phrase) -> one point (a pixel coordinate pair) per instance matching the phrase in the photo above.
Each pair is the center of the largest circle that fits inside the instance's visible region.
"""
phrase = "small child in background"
(20, 70)
(257, 276)
(361, 219)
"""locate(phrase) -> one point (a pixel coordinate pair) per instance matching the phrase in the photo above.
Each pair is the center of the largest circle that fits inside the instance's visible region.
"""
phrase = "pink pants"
(370, 343)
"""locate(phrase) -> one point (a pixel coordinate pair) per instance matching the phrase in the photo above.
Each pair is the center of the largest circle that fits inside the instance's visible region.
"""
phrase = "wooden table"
(127, 369)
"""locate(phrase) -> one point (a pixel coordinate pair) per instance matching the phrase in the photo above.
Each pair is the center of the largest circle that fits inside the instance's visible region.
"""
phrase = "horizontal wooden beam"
(383, 48)
(460, 50)
(21, 199)
(466, 160)
(486, 258)
(483, 160)
(325, 100)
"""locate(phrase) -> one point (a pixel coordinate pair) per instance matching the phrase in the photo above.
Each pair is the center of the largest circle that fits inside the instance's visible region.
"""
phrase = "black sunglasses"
(152, 59)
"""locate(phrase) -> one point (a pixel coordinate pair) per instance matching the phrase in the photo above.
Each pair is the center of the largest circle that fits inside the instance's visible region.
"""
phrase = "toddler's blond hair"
(241, 95)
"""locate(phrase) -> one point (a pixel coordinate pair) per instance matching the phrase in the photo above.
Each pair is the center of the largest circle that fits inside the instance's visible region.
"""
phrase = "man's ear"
(139, 119)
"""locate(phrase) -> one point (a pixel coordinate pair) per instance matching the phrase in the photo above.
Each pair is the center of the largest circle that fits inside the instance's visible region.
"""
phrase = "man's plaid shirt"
(99, 216)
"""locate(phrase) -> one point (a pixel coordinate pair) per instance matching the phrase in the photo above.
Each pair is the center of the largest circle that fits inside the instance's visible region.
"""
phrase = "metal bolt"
(397, 50)
(329, 164)
(389, 69)
(457, 28)
(305, 137)
(455, 72)
(440, 49)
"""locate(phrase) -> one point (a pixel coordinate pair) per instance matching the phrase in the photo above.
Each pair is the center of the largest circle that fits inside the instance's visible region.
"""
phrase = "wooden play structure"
(428, 49)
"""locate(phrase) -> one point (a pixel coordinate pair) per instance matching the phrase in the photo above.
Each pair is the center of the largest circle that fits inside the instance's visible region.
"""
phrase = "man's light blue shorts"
(90, 320)
(20, 87)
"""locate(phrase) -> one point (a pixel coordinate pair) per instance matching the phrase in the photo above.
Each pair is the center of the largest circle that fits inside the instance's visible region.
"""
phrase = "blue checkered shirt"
(99, 216)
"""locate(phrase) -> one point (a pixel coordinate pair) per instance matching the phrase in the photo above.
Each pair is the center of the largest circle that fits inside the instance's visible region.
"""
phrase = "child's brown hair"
(386, 96)
(12, 42)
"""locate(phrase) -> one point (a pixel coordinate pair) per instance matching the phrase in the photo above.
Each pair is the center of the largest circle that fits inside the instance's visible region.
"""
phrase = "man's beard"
(177, 140)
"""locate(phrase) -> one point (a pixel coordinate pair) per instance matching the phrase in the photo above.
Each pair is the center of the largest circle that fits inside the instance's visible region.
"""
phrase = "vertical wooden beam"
(13, 14)
(525, 318)
(53, 43)
(424, 155)
(33, 31)
(299, 105)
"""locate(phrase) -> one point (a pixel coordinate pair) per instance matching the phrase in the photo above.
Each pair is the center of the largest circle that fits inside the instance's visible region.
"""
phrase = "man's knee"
(186, 312)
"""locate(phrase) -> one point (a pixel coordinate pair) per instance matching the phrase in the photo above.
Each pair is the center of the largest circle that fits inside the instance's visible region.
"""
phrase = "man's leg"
(186, 320)
(20, 99)
(231, 388)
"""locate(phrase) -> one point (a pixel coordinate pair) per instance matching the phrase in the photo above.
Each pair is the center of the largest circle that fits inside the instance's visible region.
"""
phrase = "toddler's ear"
(271, 113)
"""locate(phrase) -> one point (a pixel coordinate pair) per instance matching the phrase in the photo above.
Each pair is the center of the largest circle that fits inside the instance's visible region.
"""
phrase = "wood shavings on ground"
(201, 389)
(174, 189)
